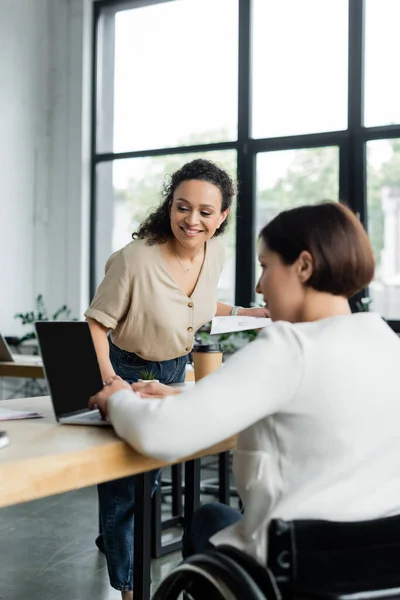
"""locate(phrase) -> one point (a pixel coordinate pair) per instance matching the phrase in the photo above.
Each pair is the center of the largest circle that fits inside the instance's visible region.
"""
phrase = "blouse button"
(190, 328)
(188, 349)
(190, 305)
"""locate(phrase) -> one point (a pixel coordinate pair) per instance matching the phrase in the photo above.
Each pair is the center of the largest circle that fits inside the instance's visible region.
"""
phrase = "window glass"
(383, 195)
(382, 51)
(174, 76)
(299, 66)
(291, 178)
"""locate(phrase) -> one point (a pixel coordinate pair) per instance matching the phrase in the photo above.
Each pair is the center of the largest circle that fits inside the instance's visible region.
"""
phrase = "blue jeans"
(207, 520)
(116, 498)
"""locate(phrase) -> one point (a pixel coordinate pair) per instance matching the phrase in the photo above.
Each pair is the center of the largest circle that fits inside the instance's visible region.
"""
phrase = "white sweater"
(318, 408)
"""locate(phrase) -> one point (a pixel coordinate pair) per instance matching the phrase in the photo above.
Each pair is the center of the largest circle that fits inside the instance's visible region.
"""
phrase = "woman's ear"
(223, 216)
(305, 266)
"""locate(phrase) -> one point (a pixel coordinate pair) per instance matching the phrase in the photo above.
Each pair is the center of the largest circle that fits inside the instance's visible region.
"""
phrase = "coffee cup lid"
(207, 348)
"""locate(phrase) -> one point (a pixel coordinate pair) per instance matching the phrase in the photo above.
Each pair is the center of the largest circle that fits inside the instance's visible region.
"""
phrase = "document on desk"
(230, 324)
(11, 415)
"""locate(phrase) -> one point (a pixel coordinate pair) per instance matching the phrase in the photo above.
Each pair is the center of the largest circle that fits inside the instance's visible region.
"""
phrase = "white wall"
(24, 57)
(68, 230)
(44, 155)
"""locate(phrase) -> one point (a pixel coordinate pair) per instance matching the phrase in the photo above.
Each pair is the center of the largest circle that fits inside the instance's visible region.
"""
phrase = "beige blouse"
(146, 310)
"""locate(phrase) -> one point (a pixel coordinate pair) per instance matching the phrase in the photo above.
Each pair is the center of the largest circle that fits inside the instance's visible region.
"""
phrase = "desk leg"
(176, 471)
(142, 537)
(192, 488)
(223, 463)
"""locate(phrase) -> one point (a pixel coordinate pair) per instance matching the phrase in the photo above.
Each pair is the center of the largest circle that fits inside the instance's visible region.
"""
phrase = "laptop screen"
(70, 364)
(5, 352)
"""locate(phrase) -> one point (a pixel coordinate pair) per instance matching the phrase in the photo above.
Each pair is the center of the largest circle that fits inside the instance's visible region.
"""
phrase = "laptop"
(71, 370)
(7, 356)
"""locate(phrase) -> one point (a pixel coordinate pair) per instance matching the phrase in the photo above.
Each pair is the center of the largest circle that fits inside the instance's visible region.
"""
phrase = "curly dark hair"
(156, 228)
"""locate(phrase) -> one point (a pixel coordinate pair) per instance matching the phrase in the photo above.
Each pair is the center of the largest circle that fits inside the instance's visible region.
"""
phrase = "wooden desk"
(45, 458)
(35, 371)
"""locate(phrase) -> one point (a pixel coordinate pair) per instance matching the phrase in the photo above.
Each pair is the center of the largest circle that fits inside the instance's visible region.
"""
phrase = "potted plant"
(40, 314)
(364, 304)
(230, 342)
(148, 376)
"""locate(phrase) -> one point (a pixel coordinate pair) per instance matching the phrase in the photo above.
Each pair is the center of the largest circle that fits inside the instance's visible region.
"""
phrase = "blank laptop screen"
(70, 363)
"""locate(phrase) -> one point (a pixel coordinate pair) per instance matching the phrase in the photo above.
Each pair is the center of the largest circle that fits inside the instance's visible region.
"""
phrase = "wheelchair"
(308, 560)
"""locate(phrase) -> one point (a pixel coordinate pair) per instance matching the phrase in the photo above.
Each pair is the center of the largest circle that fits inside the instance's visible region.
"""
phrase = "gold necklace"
(186, 269)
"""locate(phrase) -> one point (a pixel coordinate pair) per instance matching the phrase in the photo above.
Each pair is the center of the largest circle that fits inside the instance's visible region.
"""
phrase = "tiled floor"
(13, 387)
(47, 551)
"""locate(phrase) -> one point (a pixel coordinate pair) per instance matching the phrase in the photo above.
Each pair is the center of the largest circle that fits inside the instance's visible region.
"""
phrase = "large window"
(298, 99)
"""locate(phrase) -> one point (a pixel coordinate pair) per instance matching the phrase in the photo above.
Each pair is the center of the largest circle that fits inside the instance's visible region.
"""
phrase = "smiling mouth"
(191, 232)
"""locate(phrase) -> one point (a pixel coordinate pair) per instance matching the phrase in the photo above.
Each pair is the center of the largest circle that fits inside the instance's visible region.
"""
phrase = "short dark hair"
(156, 228)
(342, 254)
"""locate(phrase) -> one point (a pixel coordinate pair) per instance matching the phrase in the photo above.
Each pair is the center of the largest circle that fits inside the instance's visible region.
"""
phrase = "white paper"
(230, 324)
(11, 415)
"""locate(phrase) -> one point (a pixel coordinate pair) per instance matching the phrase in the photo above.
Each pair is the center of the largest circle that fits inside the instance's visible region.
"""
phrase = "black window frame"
(350, 142)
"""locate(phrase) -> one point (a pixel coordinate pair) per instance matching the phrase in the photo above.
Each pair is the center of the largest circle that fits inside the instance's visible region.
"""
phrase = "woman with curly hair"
(157, 292)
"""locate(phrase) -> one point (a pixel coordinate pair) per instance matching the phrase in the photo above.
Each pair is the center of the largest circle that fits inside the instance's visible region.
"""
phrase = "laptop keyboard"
(93, 416)
(90, 416)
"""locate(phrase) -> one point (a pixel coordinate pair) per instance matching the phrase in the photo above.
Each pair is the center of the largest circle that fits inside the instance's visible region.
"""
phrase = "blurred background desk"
(33, 373)
(34, 370)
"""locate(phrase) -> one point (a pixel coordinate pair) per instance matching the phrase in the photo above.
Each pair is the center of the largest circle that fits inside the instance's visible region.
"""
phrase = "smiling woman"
(157, 292)
(187, 186)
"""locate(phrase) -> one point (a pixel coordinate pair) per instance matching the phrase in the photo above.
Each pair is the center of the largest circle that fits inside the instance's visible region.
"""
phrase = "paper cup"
(207, 358)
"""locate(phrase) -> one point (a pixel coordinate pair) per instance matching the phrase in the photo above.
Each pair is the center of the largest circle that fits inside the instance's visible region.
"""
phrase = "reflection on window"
(382, 50)
(299, 66)
(175, 75)
(291, 178)
(383, 195)
(128, 190)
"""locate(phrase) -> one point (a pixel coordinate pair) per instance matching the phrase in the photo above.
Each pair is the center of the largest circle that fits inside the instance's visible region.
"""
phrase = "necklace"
(186, 269)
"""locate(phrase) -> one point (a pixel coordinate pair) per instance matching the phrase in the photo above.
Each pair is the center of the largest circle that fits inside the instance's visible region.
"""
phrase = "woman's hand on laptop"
(154, 390)
(111, 385)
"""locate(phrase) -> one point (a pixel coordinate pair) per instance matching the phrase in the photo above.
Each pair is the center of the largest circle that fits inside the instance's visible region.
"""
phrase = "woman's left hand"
(258, 311)
(100, 400)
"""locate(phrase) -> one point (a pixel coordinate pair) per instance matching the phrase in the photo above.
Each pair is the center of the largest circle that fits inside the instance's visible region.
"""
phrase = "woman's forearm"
(247, 389)
(100, 341)
(223, 310)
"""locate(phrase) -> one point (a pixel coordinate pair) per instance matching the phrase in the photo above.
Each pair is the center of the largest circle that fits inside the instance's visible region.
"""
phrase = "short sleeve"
(113, 296)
